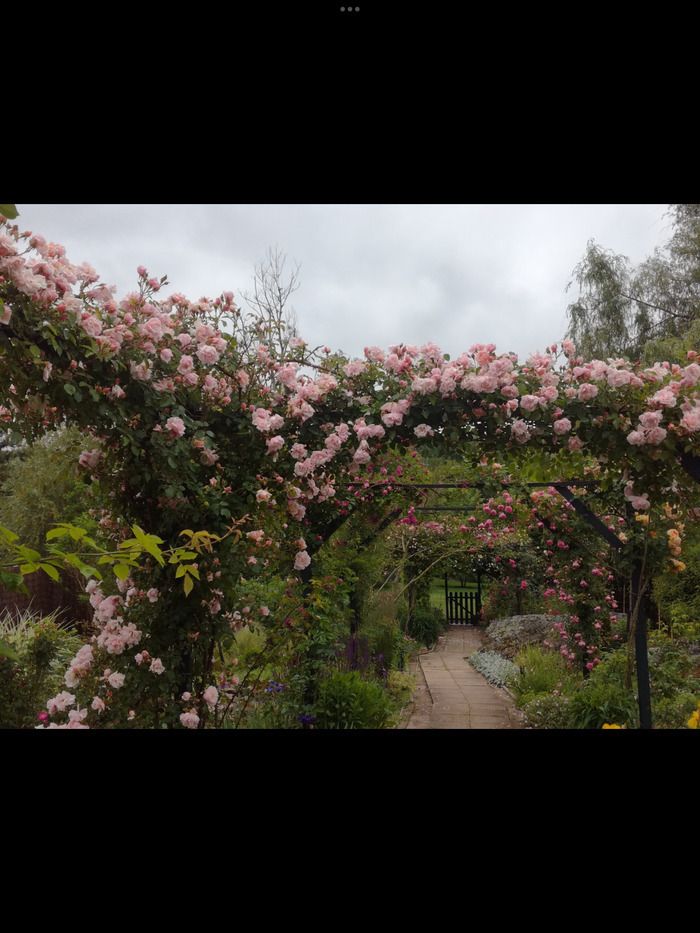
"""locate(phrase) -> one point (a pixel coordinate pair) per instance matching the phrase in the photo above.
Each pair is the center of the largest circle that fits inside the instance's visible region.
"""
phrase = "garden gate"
(462, 607)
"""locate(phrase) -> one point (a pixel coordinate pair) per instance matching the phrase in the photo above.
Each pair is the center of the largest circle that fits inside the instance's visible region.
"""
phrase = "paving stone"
(452, 694)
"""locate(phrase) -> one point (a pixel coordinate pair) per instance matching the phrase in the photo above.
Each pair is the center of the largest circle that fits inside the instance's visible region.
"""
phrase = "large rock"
(507, 636)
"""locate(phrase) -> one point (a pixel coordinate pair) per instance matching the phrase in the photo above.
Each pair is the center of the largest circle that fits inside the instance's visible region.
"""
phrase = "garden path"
(451, 694)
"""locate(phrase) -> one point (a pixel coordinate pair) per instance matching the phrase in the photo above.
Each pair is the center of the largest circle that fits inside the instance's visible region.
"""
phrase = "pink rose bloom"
(529, 402)
(296, 510)
(562, 426)
(575, 443)
(207, 355)
(361, 455)
(569, 347)
(92, 325)
(76, 716)
(156, 666)
(639, 502)
(186, 365)
(691, 419)
(274, 444)
(665, 397)
(140, 371)
(587, 391)
(6, 315)
(520, 431)
(117, 392)
(287, 375)
(185, 340)
(354, 368)
(98, 704)
(650, 419)
(261, 419)
(211, 696)
(190, 720)
(262, 495)
(423, 430)
(301, 560)
(89, 459)
(176, 427)
(186, 696)
(60, 702)
(549, 393)
(116, 680)
(656, 435)
(166, 355)
(618, 378)
(636, 438)
(374, 354)
(153, 595)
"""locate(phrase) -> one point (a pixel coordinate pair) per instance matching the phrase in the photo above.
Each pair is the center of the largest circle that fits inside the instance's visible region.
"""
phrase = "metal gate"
(462, 607)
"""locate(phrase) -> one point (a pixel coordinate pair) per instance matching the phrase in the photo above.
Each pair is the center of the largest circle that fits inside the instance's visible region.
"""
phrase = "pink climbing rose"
(301, 560)
(211, 696)
(176, 427)
(190, 719)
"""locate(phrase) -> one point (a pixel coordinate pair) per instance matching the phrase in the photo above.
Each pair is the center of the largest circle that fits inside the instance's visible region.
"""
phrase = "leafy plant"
(542, 672)
(603, 702)
(42, 648)
(346, 701)
(495, 668)
(548, 712)
(426, 623)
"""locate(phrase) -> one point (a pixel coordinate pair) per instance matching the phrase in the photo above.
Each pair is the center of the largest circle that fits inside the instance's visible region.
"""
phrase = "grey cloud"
(371, 274)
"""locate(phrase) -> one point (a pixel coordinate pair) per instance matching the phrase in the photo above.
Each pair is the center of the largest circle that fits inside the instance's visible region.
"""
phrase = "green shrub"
(542, 672)
(548, 712)
(346, 701)
(598, 702)
(401, 685)
(247, 644)
(674, 712)
(674, 690)
(425, 624)
(43, 649)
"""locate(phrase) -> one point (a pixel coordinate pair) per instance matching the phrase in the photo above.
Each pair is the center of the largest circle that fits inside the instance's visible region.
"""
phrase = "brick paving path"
(451, 694)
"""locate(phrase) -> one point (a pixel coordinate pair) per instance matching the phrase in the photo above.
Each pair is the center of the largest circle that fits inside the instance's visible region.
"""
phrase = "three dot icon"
(349, 9)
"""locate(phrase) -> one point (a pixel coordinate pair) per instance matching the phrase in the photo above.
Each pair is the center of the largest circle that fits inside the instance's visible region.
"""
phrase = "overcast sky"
(371, 274)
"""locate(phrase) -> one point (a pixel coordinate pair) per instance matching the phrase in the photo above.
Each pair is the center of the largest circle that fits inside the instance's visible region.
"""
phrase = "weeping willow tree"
(648, 312)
